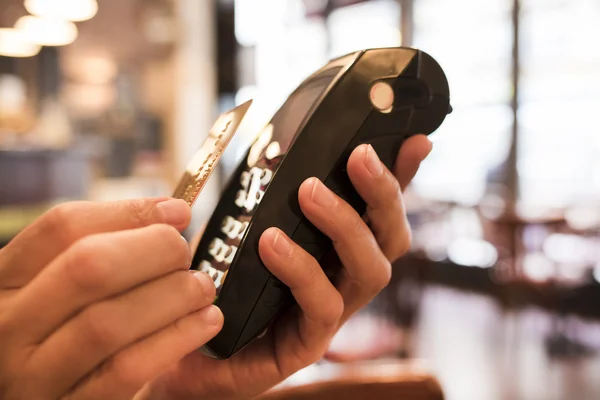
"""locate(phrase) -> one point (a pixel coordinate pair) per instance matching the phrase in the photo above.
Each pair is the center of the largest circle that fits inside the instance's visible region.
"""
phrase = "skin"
(96, 300)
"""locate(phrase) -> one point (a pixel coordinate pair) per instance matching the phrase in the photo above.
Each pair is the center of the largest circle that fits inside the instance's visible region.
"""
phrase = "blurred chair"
(381, 380)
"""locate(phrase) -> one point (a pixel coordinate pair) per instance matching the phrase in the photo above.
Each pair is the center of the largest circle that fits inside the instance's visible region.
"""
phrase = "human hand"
(301, 338)
(96, 300)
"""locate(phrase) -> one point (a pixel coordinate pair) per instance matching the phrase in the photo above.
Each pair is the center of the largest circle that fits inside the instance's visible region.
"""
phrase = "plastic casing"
(342, 118)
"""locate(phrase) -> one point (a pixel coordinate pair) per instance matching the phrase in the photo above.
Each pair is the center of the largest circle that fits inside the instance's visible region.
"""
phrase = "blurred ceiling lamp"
(70, 10)
(47, 31)
(14, 43)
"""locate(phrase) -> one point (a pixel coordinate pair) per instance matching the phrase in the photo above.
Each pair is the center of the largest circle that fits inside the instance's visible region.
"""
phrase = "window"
(472, 41)
(559, 141)
(364, 25)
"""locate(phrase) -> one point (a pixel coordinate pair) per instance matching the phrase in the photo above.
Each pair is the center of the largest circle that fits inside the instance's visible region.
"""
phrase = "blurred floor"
(480, 353)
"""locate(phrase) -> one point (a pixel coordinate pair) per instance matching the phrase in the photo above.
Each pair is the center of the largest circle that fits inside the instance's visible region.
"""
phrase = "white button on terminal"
(382, 96)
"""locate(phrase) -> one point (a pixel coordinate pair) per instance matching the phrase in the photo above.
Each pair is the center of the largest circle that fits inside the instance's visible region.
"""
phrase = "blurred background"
(500, 294)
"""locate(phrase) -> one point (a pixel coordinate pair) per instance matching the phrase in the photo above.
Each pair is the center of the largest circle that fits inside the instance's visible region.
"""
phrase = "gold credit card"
(206, 158)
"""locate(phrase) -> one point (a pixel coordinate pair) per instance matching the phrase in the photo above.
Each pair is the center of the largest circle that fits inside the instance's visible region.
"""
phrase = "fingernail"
(185, 240)
(212, 315)
(173, 211)
(321, 195)
(372, 162)
(281, 244)
(190, 253)
(208, 286)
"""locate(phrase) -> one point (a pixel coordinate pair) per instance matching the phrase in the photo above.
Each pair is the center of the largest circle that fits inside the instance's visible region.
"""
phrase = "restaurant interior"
(499, 295)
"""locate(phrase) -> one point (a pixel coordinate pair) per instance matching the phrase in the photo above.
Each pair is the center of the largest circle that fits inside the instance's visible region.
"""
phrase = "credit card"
(209, 153)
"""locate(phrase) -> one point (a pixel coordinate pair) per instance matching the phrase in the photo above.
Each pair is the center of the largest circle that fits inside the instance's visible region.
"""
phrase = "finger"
(95, 268)
(383, 195)
(56, 230)
(102, 329)
(320, 303)
(366, 269)
(126, 373)
(413, 151)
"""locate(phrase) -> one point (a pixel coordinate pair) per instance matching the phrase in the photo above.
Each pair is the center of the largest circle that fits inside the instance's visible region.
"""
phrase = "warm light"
(567, 248)
(537, 267)
(471, 252)
(13, 94)
(159, 29)
(47, 31)
(13, 43)
(70, 10)
(90, 69)
(88, 100)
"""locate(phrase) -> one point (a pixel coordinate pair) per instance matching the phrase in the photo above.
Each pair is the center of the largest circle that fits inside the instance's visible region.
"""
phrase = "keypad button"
(230, 255)
(232, 227)
(208, 269)
(266, 176)
(240, 198)
(245, 179)
(218, 249)
(243, 230)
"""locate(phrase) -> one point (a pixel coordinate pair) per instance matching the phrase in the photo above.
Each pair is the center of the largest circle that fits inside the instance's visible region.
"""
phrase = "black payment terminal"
(379, 96)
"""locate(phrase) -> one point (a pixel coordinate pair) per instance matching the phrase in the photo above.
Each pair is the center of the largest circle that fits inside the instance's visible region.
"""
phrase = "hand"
(96, 300)
(302, 338)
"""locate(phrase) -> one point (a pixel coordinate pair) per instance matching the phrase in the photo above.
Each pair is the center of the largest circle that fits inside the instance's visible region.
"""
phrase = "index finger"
(56, 230)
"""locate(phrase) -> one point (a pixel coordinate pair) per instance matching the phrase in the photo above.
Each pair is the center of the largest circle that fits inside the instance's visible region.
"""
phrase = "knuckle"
(334, 310)
(126, 371)
(377, 279)
(164, 232)
(169, 235)
(178, 328)
(141, 212)
(99, 333)
(311, 271)
(382, 278)
(193, 290)
(85, 267)
(181, 329)
(310, 357)
(405, 244)
(355, 227)
(298, 357)
(60, 222)
(346, 224)
(387, 194)
(401, 246)
(171, 238)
